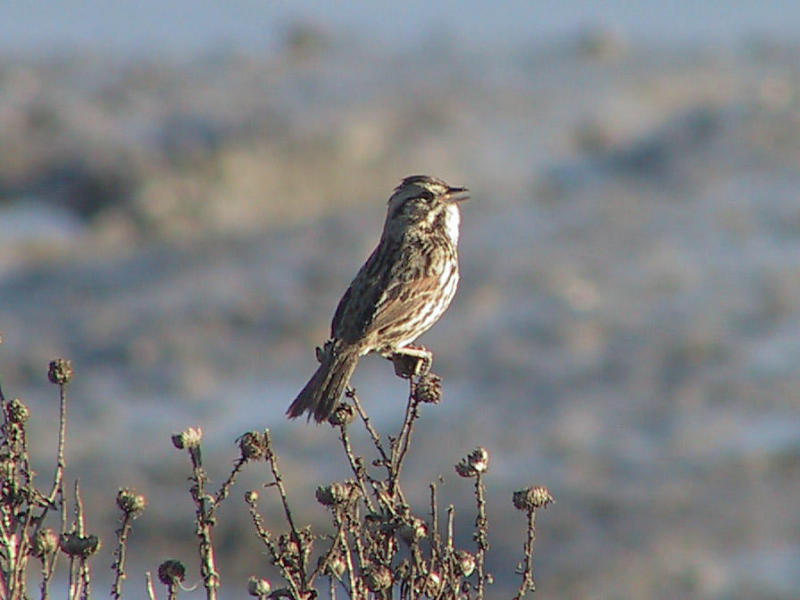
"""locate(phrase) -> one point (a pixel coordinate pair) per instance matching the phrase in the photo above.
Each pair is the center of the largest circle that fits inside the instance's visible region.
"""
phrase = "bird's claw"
(412, 361)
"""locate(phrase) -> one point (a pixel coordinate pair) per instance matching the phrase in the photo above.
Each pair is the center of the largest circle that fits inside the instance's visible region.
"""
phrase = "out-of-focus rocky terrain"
(626, 331)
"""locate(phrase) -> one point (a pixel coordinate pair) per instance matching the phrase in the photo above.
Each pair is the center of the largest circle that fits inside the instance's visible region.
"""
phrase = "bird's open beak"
(457, 194)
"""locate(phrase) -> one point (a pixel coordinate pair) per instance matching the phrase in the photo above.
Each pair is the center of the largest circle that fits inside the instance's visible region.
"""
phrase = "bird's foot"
(411, 361)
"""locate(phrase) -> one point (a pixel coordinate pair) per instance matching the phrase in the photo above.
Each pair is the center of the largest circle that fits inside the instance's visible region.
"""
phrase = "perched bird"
(399, 293)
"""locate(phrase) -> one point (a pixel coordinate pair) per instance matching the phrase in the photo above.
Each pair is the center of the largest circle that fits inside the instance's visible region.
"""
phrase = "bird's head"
(424, 204)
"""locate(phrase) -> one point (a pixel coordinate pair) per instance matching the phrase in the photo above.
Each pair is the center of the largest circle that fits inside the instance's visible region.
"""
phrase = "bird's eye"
(426, 196)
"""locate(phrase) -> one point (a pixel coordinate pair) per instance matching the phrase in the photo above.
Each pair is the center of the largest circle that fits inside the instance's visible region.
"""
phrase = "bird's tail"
(325, 387)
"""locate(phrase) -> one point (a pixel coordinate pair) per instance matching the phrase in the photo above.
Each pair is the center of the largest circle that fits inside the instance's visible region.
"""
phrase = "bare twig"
(481, 534)
(79, 547)
(287, 567)
(131, 504)
(355, 589)
(204, 522)
(528, 584)
(83, 564)
(403, 441)
(58, 479)
(302, 547)
(276, 474)
(148, 584)
(357, 466)
(225, 488)
(258, 522)
(435, 536)
(2, 399)
(529, 500)
(120, 555)
(376, 440)
(45, 585)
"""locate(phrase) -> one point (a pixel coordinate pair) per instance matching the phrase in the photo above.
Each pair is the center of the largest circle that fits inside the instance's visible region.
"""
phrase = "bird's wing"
(381, 296)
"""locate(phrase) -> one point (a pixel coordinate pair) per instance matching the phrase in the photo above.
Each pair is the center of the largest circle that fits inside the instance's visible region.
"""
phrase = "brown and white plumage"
(402, 289)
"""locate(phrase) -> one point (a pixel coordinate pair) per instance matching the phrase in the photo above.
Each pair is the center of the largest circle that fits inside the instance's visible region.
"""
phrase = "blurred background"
(187, 188)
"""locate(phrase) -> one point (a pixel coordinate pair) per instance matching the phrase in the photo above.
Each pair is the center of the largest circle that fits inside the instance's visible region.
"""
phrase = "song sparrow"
(401, 291)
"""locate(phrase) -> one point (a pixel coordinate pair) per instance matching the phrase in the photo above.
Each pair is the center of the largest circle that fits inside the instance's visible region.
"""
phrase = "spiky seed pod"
(343, 414)
(475, 462)
(377, 578)
(78, 546)
(432, 585)
(289, 550)
(171, 572)
(130, 502)
(45, 542)
(532, 498)
(465, 563)
(189, 438)
(331, 495)
(412, 530)
(402, 571)
(334, 566)
(60, 371)
(17, 412)
(337, 566)
(429, 388)
(253, 445)
(338, 492)
(258, 587)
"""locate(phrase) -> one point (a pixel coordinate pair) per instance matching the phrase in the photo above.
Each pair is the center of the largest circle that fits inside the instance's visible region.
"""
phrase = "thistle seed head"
(189, 438)
(17, 412)
(335, 565)
(45, 542)
(75, 545)
(130, 502)
(532, 498)
(475, 462)
(333, 494)
(412, 530)
(465, 563)
(429, 388)
(60, 371)
(253, 445)
(258, 587)
(171, 572)
(378, 578)
(343, 414)
(432, 585)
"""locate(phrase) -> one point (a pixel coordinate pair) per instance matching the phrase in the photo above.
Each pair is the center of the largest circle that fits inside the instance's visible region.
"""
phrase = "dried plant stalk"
(378, 546)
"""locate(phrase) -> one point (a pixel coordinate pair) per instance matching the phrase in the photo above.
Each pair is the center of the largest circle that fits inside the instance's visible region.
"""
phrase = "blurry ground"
(626, 332)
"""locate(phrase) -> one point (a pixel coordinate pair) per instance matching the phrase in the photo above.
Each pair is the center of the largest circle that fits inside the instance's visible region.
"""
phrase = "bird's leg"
(411, 361)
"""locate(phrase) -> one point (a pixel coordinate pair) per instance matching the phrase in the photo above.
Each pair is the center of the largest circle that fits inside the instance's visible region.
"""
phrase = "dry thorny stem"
(481, 534)
(23, 507)
(131, 504)
(80, 578)
(204, 504)
(527, 583)
(529, 500)
(377, 548)
(120, 555)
